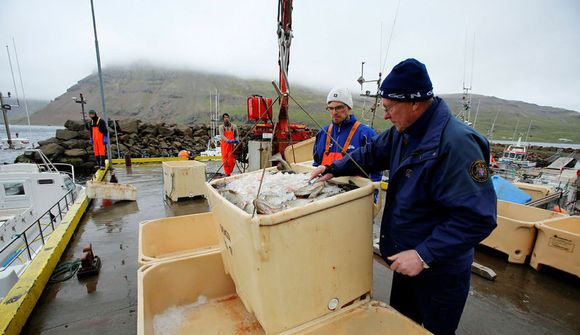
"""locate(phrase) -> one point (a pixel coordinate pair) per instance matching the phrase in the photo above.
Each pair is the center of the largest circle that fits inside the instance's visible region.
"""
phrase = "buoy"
(183, 153)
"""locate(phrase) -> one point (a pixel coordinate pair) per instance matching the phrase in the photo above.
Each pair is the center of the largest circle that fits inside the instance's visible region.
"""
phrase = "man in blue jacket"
(343, 134)
(440, 202)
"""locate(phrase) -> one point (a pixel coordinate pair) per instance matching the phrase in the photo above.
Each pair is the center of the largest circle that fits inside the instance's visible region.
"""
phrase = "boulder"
(75, 153)
(24, 159)
(183, 130)
(65, 134)
(50, 140)
(52, 150)
(74, 125)
(148, 129)
(75, 144)
(129, 126)
(71, 160)
(164, 131)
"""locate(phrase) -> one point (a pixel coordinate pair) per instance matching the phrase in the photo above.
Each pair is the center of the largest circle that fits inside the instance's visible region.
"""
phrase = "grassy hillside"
(162, 95)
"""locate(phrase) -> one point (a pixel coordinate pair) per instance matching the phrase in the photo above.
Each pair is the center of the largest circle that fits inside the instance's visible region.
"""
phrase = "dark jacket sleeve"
(103, 127)
(467, 200)
(316, 156)
(374, 156)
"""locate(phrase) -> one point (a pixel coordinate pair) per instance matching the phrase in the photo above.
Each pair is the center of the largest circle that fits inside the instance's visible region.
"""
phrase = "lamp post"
(82, 101)
(101, 86)
(6, 108)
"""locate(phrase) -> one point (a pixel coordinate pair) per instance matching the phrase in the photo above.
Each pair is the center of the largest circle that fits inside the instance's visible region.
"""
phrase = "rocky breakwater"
(71, 145)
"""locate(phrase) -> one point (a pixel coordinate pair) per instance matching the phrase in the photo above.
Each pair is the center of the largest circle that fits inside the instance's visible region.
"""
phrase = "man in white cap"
(344, 134)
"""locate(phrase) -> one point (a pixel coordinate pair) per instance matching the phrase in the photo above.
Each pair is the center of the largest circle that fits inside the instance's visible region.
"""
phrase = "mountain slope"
(164, 95)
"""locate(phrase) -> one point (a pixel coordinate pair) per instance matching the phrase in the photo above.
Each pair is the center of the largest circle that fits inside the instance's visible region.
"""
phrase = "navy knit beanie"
(408, 81)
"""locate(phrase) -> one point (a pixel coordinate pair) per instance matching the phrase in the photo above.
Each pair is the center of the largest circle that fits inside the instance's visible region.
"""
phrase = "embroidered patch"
(479, 171)
(408, 173)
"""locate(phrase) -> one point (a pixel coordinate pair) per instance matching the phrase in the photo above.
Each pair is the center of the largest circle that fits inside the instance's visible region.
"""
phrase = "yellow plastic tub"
(183, 179)
(535, 191)
(300, 152)
(299, 264)
(194, 295)
(515, 232)
(177, 236)
(558, 245)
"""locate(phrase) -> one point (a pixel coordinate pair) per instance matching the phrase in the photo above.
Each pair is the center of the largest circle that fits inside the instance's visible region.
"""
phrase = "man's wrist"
(331, 168)
(423, 263)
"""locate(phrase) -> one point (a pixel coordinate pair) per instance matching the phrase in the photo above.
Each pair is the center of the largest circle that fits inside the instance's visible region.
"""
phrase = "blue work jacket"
(440, 199)
(363, 135)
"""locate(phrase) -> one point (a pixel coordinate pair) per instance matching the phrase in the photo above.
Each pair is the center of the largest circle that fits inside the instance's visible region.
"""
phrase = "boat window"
(45, 181)
(512, 155)
(11, 189)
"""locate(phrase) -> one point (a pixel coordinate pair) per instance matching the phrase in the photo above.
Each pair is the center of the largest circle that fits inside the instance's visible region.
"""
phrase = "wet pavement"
(520, 301)
(107, 303)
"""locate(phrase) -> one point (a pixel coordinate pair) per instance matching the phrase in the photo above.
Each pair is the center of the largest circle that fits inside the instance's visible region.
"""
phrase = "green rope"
(65, 271)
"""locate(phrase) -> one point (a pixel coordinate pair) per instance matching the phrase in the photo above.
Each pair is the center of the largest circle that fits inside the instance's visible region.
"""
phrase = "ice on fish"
(277, 191)
(170, 321)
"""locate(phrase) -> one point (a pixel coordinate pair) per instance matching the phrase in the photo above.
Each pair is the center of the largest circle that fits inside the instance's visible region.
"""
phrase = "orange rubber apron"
(228, 152)
(98, 139)
(329, 157)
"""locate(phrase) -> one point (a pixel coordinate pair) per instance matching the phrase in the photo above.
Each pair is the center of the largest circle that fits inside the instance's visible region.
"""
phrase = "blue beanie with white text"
(408, 81)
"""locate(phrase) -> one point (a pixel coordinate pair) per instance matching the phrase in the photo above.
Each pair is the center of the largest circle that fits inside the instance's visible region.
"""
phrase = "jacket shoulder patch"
(479, 171)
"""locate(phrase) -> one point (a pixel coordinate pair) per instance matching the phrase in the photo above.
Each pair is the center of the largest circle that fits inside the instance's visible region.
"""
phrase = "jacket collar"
(349, 121)
(430, 125)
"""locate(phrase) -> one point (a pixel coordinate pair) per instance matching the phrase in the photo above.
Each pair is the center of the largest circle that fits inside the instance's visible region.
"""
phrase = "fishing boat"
(27, 215)
(516, 155)
(17, 143)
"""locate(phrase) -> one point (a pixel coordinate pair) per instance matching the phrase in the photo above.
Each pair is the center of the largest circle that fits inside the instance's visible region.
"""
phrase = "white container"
(183, 179)
(302, 263)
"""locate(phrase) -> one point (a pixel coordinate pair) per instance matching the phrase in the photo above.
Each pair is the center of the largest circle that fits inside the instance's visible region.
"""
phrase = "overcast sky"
(525, 50)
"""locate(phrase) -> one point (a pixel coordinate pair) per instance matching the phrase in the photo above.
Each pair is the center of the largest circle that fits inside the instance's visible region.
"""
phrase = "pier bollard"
(127, 160)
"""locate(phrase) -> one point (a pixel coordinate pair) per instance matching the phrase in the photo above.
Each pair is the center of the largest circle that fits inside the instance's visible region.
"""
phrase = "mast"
(23, 94)
(282, 131)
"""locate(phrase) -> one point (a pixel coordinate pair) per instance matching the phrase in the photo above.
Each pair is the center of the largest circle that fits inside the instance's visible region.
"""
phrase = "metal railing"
(62, 207)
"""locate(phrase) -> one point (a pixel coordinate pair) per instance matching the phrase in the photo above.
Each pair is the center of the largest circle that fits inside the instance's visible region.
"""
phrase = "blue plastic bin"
(509, 192)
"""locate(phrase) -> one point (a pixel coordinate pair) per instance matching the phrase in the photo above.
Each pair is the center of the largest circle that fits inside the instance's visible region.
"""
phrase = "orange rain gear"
(98, 139)
(329, 157)
(228, 158)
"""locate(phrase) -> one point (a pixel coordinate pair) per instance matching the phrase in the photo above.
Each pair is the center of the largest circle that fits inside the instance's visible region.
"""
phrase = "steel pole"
(101, 86)
(6, 123)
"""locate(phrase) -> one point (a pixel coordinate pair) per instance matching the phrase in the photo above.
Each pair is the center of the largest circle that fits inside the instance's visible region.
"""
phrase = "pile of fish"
(278, 191)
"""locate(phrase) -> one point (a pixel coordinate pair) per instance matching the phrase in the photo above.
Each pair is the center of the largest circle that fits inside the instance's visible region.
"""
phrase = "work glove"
(235, 141)
(232, 141)
(91, 141)
(106, 139)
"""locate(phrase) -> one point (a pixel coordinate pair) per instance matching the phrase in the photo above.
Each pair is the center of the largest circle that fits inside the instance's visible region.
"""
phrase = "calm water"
(37, 133)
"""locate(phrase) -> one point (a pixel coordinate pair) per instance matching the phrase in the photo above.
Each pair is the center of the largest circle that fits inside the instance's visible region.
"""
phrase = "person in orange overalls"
(229, 139)
(99, 137)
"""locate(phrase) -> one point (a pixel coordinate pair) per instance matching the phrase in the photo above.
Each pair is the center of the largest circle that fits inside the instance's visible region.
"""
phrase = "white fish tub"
(302, 263)
(177, 236)
(194, 295)
(183, 179)
(515, 232)
(558, 245)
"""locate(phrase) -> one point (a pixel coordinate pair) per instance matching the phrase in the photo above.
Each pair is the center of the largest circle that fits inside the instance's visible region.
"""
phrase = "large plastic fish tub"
(170, 290)
(515, 232)
(177, 236)
(299, 264)
(300, 152)
(535, 191)
(558, 245)
(183, 179)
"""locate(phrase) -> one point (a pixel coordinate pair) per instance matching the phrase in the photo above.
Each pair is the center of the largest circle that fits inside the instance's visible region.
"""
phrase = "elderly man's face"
(338, 111)
(401, 114)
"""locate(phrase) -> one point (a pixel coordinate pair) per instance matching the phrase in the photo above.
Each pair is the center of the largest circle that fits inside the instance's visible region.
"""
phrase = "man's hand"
(318, 172)
(407, 263)
(105, 139)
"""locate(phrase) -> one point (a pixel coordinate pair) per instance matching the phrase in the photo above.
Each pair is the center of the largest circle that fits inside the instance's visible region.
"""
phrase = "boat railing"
(46, 220)
(47, 165)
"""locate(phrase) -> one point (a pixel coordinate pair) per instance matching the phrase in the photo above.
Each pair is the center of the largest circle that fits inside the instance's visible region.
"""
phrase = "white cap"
(341, 94)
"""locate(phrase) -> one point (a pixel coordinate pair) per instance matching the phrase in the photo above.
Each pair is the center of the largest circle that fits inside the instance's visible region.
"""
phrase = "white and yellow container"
(535, 191)
(515, 232)
(177, 236)
(183, 179)
(302, 263)
(558, 245)
(202, 299)
(300, 152)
